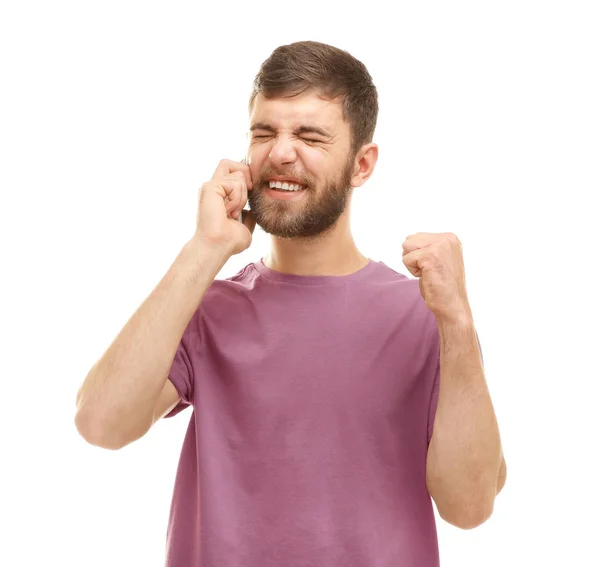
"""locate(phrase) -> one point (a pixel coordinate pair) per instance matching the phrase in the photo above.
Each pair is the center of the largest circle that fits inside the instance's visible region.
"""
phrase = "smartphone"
(246, 206)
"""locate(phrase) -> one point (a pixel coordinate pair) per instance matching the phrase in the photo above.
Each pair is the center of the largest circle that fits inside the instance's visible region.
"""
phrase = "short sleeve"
(181, 373)
(436, 392)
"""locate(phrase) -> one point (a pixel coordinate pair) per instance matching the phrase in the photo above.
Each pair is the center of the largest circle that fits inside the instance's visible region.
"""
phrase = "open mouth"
(286, 186)
(285, 191)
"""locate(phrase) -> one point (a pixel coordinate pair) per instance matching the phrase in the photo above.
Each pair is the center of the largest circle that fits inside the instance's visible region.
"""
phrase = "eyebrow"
(307, 129)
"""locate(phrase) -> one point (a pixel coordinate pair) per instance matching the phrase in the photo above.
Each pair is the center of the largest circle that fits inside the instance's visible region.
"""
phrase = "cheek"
(256, 163)
(312, 157)
(256, 156)
(315, 164)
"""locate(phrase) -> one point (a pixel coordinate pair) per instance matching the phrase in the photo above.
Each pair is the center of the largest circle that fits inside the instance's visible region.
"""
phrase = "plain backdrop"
(113, 114)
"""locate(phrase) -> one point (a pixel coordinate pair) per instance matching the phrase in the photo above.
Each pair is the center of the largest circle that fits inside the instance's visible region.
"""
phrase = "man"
(333, 397)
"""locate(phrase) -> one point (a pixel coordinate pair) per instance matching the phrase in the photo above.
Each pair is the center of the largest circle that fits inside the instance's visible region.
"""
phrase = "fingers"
(411, 261)
(243, 197)
(227, 166)
(235, 193)
(235, 179)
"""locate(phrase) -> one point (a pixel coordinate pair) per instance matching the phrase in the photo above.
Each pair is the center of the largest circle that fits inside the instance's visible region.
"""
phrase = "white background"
(113, 114)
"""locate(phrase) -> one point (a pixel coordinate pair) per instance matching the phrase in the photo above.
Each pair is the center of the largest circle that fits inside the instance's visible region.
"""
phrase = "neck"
(331, 254)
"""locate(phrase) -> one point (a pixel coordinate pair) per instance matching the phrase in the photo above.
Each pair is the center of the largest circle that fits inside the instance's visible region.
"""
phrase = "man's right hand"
(220, 202)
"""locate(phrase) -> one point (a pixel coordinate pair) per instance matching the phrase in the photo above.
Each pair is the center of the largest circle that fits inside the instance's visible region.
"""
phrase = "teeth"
(285, 186)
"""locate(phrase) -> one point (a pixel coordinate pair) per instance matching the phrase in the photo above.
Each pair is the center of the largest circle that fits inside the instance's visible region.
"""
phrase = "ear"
(364, 164)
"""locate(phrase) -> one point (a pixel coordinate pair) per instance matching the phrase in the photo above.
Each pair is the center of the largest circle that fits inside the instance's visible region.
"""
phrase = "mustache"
(301, 178)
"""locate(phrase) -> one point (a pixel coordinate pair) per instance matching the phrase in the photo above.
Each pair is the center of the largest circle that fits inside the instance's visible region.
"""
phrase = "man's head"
(313, 112)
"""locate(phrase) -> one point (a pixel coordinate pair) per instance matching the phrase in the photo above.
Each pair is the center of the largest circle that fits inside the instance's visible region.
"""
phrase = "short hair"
(332, 72)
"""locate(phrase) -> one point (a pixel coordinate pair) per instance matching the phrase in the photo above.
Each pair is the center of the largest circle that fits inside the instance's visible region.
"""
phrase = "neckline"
(282, 277)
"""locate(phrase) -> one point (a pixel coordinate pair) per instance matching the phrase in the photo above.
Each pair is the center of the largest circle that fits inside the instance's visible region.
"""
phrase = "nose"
(282, 152)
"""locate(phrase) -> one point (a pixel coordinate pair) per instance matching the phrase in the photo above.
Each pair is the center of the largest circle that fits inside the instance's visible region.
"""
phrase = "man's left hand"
(437, 260)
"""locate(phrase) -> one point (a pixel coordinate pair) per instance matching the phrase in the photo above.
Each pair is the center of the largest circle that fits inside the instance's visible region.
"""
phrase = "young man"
(315, 374)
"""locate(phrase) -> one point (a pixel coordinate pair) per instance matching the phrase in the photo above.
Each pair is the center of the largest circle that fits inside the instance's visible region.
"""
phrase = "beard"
(315, 213)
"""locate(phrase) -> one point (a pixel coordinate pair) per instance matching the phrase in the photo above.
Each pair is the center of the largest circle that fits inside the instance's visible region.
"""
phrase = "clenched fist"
(437, 260)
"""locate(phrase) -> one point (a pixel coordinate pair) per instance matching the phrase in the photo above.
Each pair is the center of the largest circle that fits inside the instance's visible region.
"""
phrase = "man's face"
(285, 147)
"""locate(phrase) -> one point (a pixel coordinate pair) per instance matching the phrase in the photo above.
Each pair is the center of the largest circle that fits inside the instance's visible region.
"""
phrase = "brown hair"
(292, 69)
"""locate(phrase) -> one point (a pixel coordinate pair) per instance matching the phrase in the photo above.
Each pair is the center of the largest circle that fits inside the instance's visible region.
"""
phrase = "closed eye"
(305, 139)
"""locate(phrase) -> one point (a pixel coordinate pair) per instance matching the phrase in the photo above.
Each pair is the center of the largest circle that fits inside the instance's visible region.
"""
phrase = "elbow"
(468, 513)
(95, 434)
(469, 521)
(468, 518)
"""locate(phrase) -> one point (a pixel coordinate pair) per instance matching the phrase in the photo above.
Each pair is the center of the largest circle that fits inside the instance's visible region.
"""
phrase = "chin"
(304, 227)
(309, 218)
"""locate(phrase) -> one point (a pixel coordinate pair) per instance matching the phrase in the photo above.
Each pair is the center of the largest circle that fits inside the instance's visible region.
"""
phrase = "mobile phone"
(245, 162)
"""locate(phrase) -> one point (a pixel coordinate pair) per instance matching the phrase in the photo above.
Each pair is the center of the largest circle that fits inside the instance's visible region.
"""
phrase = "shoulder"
(233, 284)
(225, 291)
(401, 294)
(400, 286)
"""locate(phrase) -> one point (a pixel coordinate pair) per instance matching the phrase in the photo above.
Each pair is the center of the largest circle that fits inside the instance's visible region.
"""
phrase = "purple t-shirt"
(313, 404)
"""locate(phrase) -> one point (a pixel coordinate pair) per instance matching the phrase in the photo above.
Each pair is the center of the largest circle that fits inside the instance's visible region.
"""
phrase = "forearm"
(118, 395)
(465, 453)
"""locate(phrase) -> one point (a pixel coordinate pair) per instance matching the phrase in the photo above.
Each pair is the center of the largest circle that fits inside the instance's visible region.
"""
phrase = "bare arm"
(465, 461)
(126, 391)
